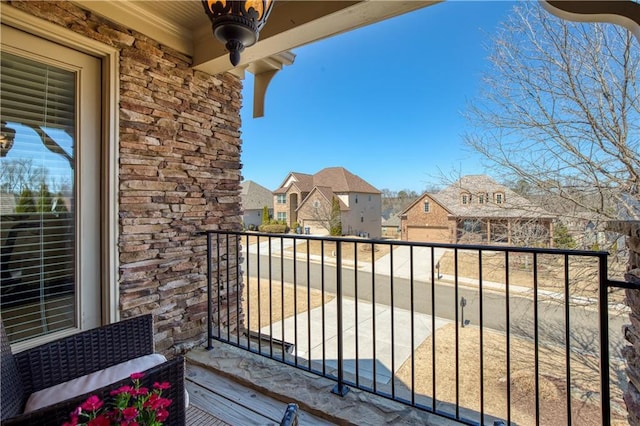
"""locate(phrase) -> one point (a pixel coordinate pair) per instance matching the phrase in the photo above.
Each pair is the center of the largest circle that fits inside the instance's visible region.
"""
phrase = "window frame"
(108, 156)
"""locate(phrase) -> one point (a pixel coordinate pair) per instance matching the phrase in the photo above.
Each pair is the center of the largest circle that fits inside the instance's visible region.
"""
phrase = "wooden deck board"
(236, 404)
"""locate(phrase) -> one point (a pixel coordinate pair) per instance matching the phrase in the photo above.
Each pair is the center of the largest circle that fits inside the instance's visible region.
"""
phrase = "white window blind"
(37, 197)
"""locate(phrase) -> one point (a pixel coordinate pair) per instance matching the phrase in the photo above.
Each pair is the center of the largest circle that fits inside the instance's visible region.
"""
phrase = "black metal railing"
(362, 312)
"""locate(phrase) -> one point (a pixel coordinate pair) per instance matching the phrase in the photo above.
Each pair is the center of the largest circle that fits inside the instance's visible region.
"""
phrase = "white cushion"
(93, 381)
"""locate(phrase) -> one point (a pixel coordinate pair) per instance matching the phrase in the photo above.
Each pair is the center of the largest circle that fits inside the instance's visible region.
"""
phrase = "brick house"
(476, 209)
(306, 199)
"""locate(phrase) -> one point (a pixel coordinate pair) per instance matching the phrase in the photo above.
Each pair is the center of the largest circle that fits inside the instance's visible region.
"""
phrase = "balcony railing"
(479, 334)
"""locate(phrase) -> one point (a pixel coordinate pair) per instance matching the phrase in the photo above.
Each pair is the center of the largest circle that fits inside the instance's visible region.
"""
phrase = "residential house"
(307, 200)
(254, 198)
(476, 209)
(391, 228)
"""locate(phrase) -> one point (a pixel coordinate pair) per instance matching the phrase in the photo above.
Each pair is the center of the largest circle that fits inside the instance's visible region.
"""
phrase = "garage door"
(428, 234)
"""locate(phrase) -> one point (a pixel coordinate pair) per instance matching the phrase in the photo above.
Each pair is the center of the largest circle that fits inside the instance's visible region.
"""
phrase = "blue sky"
(383, 101)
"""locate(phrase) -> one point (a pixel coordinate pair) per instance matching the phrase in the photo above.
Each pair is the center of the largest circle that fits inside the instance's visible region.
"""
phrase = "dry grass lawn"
(365, 252)
(271, 308)
(552, 383)
(583, 273)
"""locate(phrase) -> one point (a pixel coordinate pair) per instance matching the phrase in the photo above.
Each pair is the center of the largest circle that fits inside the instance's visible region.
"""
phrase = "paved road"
(367, 286)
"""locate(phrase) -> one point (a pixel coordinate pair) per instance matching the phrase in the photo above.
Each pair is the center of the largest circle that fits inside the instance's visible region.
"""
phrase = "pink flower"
(139, 391)
(137, 376)
(121, 389)
(101, 420)
(73, 422)
(92, 403)
(155, 402)
(130, 413)
(161, 415)
(161, 386)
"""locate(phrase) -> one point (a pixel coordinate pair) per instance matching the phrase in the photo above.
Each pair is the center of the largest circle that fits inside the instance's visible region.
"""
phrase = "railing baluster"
(340, 388)
(282, 294)
(309, 306)
(373, 318)
(508, 329)
(413, 334)
(433, 329)
(393, 342)
(603, 307)
(567, 335)
(355, 294)
(209, 292)
(324, 337)
(457, 328)
(238, 295)
(259, 295)
(219, 284)
(248, 284)
(480, 320)
(536, 341)
(270, 301)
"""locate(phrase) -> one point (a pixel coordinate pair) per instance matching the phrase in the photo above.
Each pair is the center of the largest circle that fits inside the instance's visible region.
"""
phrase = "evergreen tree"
(265, 215)
(26, 203)
(562, 238)
(335, 220)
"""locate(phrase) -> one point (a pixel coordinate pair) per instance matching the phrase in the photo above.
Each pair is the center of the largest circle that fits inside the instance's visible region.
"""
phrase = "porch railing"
(407, 321)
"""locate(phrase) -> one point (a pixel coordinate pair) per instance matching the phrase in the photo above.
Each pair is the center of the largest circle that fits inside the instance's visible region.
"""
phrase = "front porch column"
(631, 229)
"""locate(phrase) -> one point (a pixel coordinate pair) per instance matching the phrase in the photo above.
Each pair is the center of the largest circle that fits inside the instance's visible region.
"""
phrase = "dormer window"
(480, 198)
(426, 207)
(499, 197)
(465, 199)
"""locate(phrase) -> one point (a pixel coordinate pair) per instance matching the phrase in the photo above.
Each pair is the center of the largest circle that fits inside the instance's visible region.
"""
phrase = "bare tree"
(560, 113)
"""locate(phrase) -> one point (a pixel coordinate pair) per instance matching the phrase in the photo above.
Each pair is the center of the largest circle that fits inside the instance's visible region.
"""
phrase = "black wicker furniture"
(78, 355)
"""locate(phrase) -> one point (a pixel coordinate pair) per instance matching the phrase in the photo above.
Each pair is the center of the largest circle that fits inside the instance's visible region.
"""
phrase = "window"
(465, 199)
(480, 198)
(282, 216)
(426, 207)
(369, 198)
(281, 199)
(316, 204)
(45, 210)
(499, 198)
(356, 198)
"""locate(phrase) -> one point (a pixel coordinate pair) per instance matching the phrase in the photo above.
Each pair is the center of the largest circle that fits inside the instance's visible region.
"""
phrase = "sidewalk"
(312, 348)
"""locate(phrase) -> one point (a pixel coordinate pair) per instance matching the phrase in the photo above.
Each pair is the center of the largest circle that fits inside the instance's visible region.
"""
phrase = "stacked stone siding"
(179, 173)
(632, 331)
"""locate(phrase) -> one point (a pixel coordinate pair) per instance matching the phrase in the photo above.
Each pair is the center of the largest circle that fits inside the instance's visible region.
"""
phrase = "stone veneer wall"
(632, 332)
(179, 172)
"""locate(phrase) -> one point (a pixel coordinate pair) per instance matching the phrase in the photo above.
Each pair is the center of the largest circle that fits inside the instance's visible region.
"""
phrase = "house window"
(43, 215)
(480, 198)
(369, 198)
(356, 199)
(465, 199)
(426, 207)
(281, 199)
(499, 198)
(282, 216)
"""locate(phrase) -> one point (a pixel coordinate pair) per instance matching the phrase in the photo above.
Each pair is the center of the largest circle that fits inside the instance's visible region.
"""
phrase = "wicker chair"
(74, 356)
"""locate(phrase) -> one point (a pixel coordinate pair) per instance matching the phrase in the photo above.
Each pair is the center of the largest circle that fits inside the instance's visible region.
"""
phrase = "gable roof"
(327, 193)
(339, 179)
(255, 196)
(513, 205)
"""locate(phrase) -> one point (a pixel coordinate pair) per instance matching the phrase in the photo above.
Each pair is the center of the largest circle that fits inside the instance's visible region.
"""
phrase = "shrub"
(274, 229)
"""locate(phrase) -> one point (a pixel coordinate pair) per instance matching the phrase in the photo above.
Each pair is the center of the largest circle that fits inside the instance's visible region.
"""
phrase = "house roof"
(327, 193)
(513, 205)
(394, 220)
(339, 179)
(255, 196)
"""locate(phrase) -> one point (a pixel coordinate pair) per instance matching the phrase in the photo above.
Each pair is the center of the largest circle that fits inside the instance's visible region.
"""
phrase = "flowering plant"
(131, 406)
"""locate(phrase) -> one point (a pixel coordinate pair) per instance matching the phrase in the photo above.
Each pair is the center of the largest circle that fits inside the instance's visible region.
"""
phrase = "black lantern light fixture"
(237, 24)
